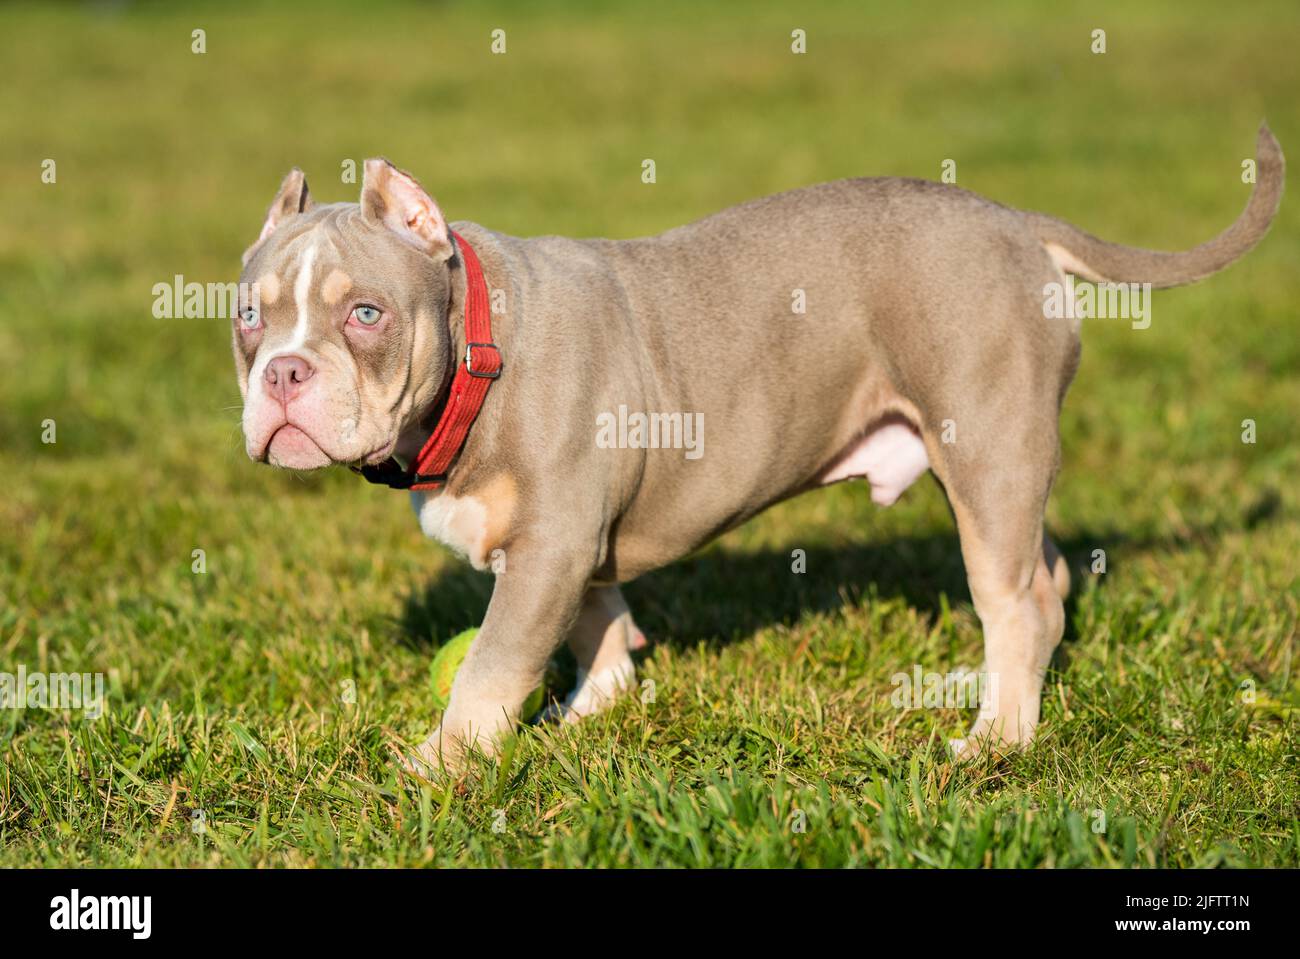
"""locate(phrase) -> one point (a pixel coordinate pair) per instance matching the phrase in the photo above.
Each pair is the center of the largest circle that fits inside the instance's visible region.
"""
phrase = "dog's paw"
(426, 761)
(989, 738)
(594, 692)
(443, 756)
(969, 748)
(973, 746)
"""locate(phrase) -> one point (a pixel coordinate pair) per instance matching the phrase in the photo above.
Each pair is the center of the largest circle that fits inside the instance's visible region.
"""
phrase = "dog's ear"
(292, 199)
(395, 199)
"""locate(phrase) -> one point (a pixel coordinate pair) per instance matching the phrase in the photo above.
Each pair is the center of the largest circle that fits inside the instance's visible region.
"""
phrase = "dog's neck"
(413, 436)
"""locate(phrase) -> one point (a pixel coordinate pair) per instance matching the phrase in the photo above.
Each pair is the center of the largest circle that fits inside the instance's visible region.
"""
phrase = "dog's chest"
(472, 525)
(459, 522)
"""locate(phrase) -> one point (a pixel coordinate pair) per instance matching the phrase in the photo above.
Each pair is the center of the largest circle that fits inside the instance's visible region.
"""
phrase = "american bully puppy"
(511, 383)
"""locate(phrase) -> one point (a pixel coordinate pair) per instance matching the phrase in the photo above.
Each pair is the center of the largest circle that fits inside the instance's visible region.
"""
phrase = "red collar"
(469, 387)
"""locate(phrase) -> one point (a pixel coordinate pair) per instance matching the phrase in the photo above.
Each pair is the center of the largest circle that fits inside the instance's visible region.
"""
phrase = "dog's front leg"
(535, 602)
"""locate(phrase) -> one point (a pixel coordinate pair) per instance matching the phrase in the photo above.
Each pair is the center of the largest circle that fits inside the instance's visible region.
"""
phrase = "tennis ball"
(446, 662)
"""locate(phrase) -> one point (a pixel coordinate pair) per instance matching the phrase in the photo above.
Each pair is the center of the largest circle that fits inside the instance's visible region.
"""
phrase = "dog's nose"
(285, 376)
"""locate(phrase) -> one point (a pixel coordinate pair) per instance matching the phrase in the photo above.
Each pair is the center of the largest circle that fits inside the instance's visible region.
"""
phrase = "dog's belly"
(891, 457)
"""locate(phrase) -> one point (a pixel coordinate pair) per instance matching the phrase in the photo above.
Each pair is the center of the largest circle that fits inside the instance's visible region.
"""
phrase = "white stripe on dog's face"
(301, 293)
(302, 287)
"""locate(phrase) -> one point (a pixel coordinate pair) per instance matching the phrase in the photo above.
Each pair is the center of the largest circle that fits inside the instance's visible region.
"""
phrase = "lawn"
(252, 707)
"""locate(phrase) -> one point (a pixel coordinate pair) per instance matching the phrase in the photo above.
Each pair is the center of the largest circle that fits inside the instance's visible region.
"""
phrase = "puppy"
(573, 413)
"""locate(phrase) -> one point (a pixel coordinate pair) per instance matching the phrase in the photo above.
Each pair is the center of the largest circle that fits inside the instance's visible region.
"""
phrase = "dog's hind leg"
(600, 640)
(997, 477)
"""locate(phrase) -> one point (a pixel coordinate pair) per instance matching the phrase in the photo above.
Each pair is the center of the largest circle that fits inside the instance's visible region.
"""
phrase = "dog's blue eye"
(367, 315)
(250, 319)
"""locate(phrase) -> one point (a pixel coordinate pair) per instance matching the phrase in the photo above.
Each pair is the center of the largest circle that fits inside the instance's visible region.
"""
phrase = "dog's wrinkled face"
(346, 340)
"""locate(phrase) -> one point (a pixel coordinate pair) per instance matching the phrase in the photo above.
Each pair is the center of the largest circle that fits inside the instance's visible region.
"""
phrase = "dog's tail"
(1096, 260)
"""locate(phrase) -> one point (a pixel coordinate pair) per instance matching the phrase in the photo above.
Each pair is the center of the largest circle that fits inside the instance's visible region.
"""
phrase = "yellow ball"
(446, 662)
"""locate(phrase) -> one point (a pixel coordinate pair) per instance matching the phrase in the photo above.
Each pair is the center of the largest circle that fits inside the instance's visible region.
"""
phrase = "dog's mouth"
(292, 447)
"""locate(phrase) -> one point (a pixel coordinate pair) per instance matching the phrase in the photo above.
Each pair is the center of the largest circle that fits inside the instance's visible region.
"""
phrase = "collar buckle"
(490, 365)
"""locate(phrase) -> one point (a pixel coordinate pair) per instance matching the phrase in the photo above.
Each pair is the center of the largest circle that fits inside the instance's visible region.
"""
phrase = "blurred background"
(166, 160)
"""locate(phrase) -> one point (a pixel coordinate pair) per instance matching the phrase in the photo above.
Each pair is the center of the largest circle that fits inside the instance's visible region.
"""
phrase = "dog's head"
(341, 337)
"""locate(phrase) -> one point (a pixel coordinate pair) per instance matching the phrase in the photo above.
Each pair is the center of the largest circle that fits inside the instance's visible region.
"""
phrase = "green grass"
(772, 689)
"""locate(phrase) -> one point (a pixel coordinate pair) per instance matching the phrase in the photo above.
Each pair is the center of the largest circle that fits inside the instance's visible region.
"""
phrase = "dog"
(493, 377)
